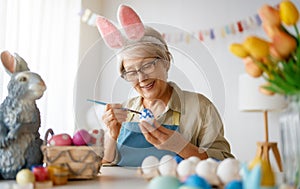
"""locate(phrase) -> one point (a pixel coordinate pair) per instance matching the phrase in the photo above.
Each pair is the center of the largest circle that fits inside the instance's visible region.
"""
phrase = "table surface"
(111, 177)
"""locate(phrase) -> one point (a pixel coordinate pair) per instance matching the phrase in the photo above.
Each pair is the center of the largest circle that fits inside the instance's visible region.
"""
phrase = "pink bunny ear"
(8, 61)
(131, 22)
(110, 33)
(14, 63)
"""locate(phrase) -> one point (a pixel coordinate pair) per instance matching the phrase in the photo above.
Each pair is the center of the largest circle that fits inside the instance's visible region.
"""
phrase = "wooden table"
(111, 177)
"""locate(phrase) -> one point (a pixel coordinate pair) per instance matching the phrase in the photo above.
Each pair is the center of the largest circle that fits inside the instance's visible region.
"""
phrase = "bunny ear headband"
(133, 27)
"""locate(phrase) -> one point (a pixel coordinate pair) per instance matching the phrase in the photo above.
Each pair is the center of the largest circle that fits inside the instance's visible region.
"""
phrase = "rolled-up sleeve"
(211, 136)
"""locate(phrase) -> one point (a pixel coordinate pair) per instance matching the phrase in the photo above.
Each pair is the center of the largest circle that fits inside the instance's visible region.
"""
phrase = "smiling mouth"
(148, 86)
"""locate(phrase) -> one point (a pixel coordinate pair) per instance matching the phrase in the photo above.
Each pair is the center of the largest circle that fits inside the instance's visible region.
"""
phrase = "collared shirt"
(199, 121)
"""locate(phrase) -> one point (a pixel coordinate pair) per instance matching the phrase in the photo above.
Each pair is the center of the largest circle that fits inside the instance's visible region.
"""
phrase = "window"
(46, 34)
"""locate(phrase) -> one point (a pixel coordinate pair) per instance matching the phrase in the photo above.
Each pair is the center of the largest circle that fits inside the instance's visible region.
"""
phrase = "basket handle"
(46, 136)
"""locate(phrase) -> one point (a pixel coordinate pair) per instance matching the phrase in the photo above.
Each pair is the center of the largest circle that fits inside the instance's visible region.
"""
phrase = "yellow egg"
(25, 176)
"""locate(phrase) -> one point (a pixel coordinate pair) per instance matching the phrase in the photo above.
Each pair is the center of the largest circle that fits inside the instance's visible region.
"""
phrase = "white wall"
(242, 129)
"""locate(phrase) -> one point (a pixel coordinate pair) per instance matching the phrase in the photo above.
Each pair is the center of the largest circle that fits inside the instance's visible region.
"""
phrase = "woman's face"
(151, 86)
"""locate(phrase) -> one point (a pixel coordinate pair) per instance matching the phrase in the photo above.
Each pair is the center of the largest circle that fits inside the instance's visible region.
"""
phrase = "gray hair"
(151, 45)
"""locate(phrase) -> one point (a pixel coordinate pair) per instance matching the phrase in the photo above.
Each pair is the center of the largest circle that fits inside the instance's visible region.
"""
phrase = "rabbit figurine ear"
(110, 33)
(12, 63)
(131, 22)
(8, 61)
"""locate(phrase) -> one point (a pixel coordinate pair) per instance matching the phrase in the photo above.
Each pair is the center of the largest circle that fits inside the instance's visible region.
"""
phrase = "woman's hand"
(163, 138)
(113, 118)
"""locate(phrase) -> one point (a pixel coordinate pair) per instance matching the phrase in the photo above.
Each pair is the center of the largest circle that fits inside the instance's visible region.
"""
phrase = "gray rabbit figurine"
(20, 118)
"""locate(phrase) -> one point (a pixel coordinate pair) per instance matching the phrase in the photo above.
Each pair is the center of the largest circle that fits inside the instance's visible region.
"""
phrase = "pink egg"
(81, 137)
(63, 139)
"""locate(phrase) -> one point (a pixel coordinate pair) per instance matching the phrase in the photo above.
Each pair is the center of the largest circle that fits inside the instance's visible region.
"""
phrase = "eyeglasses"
(147, 68)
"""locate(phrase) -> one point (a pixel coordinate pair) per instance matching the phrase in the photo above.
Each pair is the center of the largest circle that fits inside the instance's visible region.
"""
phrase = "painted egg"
(236, 184)
(188, 187)
(40, 173)
(60, 140)
(167, 165)
(178, 158)
(196, 181)
(147, 116)
(229, 170)
(25, 176)
(185, 168)
(150, 165)
(164, 182)
(97, 137)
(81, 137)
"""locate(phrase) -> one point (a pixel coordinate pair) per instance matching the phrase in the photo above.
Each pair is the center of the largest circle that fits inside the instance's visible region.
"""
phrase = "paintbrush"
(104, 103)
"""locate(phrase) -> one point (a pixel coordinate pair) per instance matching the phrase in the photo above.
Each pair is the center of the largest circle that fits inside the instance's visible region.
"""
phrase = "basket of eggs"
(80, 156)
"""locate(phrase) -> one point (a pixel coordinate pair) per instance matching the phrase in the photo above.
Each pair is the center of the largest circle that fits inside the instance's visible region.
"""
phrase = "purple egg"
(81, 137)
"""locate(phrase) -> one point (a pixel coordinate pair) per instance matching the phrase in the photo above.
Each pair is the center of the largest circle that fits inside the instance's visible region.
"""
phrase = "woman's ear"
(110, 33)
(131, 22)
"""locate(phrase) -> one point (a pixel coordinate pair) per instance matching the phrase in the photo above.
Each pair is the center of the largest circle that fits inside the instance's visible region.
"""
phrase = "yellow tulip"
(284, 44)
(269, 15)
(288, 13)
(238, 50)
(252, 68)
(257, 47)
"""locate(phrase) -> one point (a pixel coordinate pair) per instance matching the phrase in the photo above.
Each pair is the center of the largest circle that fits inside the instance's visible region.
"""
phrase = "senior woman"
(186, 123)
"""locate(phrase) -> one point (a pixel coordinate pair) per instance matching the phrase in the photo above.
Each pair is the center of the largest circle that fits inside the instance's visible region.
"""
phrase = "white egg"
(228, 170)
(167, 165)
(185, 168)
(207, 170)
(214, 163)
(194, 159)
(150, 165)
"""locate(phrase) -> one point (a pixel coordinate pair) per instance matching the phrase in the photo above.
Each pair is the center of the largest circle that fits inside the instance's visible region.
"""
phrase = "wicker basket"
(82, 162)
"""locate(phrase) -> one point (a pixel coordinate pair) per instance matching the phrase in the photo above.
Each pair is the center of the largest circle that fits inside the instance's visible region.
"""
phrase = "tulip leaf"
(280, 82)
(291, 73)
(274, 88)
